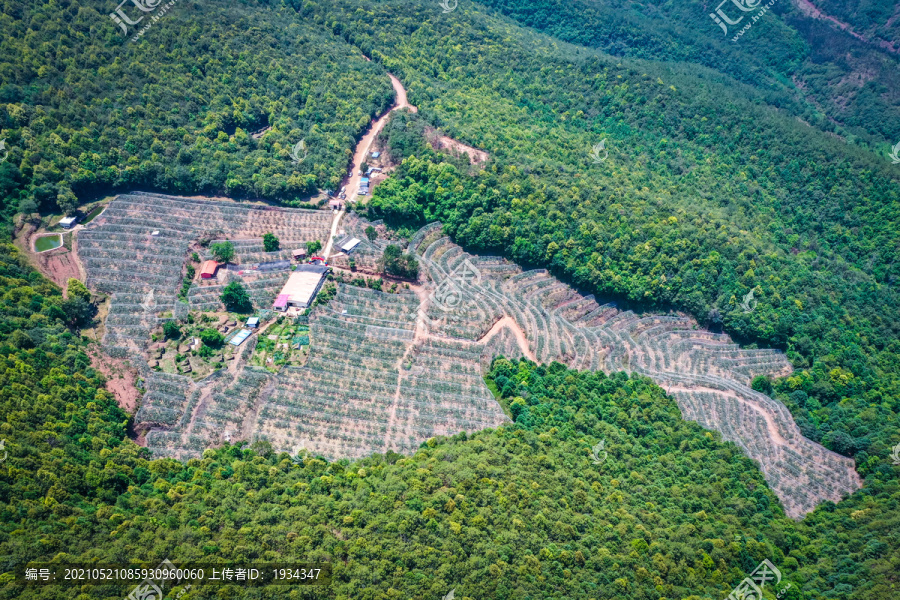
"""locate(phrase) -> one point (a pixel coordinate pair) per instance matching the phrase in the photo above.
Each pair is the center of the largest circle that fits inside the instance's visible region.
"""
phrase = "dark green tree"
(235, 298)
(212, 338)
(270, 242)
(398, 263)
(171, 330)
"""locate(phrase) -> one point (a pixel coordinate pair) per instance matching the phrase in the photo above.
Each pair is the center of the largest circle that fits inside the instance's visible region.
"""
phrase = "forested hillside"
(84, 111)
(704, 197)
(842, 81)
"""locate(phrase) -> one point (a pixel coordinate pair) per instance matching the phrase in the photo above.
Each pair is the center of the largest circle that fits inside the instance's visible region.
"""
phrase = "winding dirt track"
(351, 183)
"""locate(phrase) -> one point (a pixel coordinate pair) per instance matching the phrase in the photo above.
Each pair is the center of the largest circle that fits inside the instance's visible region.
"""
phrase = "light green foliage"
(76, 289)
(313, 247)
(222, 251)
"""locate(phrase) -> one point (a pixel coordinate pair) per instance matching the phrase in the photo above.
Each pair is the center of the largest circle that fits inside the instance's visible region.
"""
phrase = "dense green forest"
(809, 67)
(523, 511)
(84, 112)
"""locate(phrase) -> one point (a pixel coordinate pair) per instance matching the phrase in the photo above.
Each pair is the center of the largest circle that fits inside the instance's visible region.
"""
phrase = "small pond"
(47, 242)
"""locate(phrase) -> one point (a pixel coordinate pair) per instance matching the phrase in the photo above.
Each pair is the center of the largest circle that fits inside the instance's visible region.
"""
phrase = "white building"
(303, 285)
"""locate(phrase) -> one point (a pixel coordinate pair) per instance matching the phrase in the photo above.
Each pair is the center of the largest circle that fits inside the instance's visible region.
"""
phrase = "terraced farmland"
(122, 256)
(389, 371)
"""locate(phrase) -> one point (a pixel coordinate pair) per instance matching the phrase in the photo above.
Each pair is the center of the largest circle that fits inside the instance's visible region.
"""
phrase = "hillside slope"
(705, 196)
(211, 99)
(833, 64)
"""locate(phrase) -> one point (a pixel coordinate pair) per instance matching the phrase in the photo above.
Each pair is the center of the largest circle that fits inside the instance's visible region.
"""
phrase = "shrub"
(762, 384)
(171, 330)
(270, 242)
(212, 338)
(222, 251)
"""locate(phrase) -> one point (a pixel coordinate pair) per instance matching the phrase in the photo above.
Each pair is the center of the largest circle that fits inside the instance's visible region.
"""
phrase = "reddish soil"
(362, 152)
(810, 10)
(508, 322)
(443, 142)
(57, 265)
(120, 378)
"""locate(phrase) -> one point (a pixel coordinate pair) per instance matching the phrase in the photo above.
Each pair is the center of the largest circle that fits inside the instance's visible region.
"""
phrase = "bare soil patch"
(120, 378)
(455, 147)
(57, 265)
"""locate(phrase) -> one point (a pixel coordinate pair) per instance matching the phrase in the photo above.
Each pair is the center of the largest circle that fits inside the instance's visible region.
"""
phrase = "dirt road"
(362, 152)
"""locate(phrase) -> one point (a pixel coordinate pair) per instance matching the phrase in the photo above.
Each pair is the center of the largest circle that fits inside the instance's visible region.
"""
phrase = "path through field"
(351, 183)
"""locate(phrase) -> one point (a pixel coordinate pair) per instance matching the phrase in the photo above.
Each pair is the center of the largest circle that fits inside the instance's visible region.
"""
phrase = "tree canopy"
(235, 298)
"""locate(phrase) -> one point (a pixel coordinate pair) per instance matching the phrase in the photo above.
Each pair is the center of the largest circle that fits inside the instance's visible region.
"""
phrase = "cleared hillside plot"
(389, 371)
(708, 375)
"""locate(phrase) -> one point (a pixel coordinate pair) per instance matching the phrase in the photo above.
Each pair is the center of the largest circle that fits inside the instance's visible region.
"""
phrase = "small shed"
(364, 181)
(376, 154)
(253, 322)
(349, 245)
(281, 302)
(299, 254)
(68, 222)
(208, 270)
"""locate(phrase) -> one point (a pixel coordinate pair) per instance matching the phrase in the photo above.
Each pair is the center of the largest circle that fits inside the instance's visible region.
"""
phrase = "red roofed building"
(208, 270)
